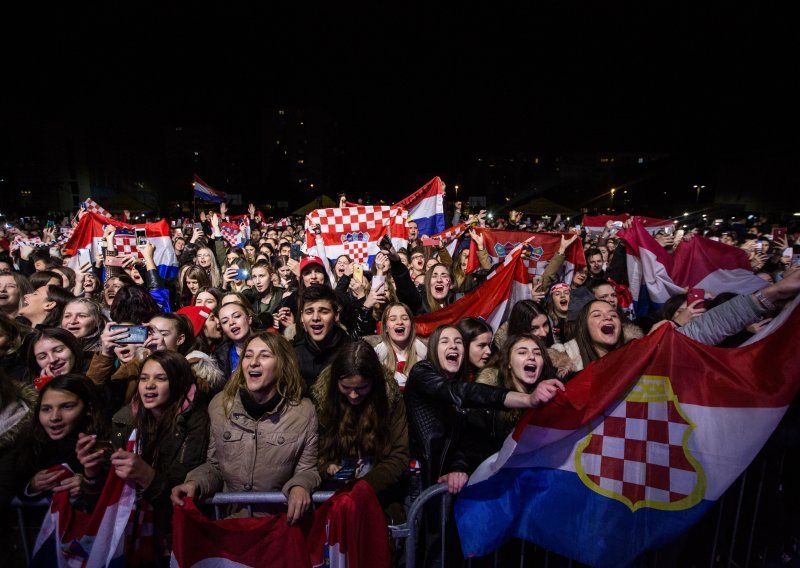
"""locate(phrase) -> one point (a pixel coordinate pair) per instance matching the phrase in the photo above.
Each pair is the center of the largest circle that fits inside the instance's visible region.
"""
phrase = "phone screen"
(84, 257)
(136, 333)
(141, 237)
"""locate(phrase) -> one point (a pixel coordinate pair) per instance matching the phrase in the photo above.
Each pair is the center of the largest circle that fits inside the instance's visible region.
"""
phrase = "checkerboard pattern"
(93, 207)
(637, 452)
(126, 245)
(352, 219)
(358, 251)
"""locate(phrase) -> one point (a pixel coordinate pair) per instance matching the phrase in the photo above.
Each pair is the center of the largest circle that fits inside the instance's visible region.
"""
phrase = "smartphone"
(295, 252)
(669, 229)
(114, 261)
(345, 473)
(616, 225)
(84, 257)
(358, 272)
(136, 333)
(141, 236)
(696, 294)
(378, 280)
(430, 242)
(107, 447)
(198, 226)
(778, 233)
(242, 274)
(795, 255)
(759, 246)
(50, 224)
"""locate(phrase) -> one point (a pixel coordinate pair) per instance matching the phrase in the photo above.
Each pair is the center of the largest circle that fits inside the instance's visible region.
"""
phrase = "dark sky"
(415, 88)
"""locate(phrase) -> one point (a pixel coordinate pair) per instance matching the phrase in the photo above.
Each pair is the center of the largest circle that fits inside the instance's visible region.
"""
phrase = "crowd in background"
(265, 367)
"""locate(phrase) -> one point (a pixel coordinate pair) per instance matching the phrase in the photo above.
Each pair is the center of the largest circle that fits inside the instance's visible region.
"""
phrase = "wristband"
(763, 299)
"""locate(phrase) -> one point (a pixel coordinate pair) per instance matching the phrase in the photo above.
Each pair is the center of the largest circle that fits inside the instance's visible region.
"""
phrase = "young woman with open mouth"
(399, 349)
(13, 287)
(524, 366)
(55, 352)
(436, 289)
(43, 307)
(557, 306)
(363, 431)
(263, 432)
(171, 440)
(235, 319)
(66, 405)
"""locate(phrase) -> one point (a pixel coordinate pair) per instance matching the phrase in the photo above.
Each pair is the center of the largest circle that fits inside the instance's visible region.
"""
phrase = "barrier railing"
(738, 531)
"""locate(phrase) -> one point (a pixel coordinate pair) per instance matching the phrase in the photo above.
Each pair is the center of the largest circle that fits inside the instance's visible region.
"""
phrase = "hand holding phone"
(358, 272)
(118, 261)
(136, 333)
(430, 242)
(141, 236)
(696, 294)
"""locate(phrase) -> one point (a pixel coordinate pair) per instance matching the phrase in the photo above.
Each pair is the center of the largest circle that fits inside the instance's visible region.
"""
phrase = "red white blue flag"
(90, 231)
(638, 448)
(492, 300)
(426, 207)
(698, 263)
(347, 531)
(204, 191)
(595, 224)
(537, 251)
(356, 231)
(75, 539)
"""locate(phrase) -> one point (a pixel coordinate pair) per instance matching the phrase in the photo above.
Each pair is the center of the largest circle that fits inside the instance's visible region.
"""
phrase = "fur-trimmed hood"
(17, 414)
(207, 373)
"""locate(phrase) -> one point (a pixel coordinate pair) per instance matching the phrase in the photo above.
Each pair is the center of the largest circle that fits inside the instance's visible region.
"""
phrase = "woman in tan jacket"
(263, 433)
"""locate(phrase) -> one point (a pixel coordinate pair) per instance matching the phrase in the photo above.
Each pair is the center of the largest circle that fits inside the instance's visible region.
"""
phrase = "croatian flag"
(492, 300)
(595, 224)
(232, 232)
(90, 231)
(655, 275)
(454, 238)
(347, 531)
(93, 206)
(204, 191)
(356, 231)
(72, 538)
(638, 448)
(537, 251)
(426, 207)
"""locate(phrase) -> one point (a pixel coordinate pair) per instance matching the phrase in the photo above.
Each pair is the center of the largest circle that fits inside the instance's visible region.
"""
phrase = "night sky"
(417, 90)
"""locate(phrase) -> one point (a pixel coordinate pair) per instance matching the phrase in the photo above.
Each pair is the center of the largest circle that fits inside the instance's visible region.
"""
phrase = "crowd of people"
(265, 367)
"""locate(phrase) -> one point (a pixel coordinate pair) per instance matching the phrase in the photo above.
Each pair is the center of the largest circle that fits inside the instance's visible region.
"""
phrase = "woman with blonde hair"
(263, 433)
(206, 260)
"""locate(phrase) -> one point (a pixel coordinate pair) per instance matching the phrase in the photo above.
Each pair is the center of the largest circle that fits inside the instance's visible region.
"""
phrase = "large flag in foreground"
(698, 263)
(356, 231)
(69, 537)
(537, 251)
(426, 207)
(90, 229)
(492, 300)
(635, 451)
(348, 530)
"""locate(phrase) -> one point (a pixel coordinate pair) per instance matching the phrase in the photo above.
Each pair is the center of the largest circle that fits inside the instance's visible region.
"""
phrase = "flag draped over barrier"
(492, 300)
(635, 451)
(698, 263)
(90, 229)
(356, 231)
(347, 531)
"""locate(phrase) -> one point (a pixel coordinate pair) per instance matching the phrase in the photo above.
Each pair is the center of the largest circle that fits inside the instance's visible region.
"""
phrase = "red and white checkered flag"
(94, 207)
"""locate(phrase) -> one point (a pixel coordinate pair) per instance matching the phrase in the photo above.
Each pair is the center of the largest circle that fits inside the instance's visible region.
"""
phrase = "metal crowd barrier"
(735, 532)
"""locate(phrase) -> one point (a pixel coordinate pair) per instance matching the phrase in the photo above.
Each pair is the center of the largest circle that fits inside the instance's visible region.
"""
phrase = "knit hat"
(309, 260)
(197, 315)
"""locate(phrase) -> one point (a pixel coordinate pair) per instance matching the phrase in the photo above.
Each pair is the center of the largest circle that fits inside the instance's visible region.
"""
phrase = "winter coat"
(15, 417)
(386, 474)
(274, 453)
(436, 409)
(179, 451)
(313, 358)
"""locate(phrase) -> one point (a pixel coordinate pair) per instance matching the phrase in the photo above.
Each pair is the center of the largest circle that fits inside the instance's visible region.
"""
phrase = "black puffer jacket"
(313, 357)
(438, 429)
